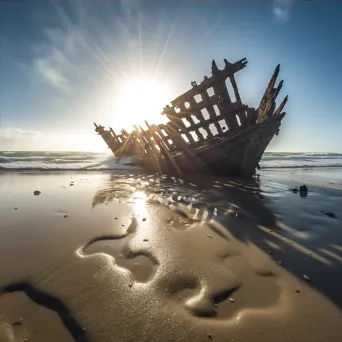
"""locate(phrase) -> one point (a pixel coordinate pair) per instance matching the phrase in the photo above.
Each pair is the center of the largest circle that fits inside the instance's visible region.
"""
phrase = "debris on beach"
(145, 240)
(37, 193)
(209, 336)
(306, 277)
(231, 300)
(209, 236)
(303, 191)
(65, 216)
(208, 128)
(303, 188)
(144, 219)
(332, 215)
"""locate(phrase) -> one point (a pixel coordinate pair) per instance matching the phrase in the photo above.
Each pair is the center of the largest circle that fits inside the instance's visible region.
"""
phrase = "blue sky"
(62, 63)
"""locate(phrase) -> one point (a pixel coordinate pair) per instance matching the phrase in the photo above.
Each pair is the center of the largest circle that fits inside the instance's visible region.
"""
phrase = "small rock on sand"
(303, 188)
(145, 240)
(37, 193)
(209, 236)
(65, 216)
(209, 336)
(306, 277)
(144, 219)
(231, 300)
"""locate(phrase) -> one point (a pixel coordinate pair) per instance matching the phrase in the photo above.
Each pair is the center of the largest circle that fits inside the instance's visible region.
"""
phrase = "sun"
(138, 100)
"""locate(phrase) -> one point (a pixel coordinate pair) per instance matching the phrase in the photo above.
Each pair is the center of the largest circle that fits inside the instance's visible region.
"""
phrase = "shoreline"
(132, 252)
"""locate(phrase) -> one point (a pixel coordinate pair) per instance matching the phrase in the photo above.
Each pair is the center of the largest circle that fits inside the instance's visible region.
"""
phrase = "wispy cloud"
(13, 138)
(282, 9)
(14, 133)
(57, 56)
(17, 139)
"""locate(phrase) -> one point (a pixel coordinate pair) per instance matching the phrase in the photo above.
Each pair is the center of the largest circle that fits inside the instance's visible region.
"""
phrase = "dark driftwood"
(207, 130)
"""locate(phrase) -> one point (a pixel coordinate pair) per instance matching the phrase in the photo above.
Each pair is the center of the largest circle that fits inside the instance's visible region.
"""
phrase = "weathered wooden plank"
(210, 81)
(158, 135)
(281, 106)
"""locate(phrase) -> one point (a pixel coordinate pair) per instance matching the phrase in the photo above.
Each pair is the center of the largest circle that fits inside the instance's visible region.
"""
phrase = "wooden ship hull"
(206, 131)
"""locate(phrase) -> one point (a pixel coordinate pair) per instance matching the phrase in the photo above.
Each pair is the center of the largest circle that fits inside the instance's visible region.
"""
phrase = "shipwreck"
(206, 131)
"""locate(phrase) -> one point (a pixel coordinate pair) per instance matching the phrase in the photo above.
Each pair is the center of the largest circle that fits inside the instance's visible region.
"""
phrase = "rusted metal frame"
(278, 111)
(210, 81)
(144, 139)
(139, 141)
(165, 138)
(268, 95)
(217, 118)
(127, 144)
(157, 133)
(156, 140)
(236, 89)
(155, 152)
(184, 147)
(180, 125)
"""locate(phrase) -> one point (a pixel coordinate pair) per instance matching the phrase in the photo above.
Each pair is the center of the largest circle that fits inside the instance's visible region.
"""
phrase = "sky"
(63, 64)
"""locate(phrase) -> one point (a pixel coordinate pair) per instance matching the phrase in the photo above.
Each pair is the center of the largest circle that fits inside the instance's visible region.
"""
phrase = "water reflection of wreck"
(206, 129)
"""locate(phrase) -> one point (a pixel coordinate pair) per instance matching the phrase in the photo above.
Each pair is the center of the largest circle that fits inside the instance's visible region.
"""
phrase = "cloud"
(282, 9)
(13, 138)
(17, 139)
(14, 133)
(56, 57)
(51, 73)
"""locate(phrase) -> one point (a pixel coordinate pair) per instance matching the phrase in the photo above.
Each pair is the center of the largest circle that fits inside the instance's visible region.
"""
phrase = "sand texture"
(97, 257)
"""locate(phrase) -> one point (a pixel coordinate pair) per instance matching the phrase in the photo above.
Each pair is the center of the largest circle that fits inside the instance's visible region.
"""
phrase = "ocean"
(90, 161)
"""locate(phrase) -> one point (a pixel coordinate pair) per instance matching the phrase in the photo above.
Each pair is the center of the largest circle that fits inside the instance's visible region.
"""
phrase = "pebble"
(130, 284)
(297, 291)
(37, 193)
(303, 188)
(306, 277)
(209, 236)
(145, 240)
(144, 219)
(65, 216)
(15, 208)
(209, 336)
(231, 300)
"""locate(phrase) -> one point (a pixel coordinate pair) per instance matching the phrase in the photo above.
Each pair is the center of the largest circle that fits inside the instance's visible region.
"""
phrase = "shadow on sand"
(293, 230)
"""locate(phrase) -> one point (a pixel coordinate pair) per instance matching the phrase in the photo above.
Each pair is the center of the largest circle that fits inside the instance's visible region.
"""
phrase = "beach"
(126, 256)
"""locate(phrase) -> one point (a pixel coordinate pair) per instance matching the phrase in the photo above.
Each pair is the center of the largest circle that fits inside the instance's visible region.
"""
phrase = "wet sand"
(102, 257)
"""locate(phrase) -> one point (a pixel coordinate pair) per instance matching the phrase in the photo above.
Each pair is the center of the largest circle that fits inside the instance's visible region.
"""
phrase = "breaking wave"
(63, 161)
(88, 161)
